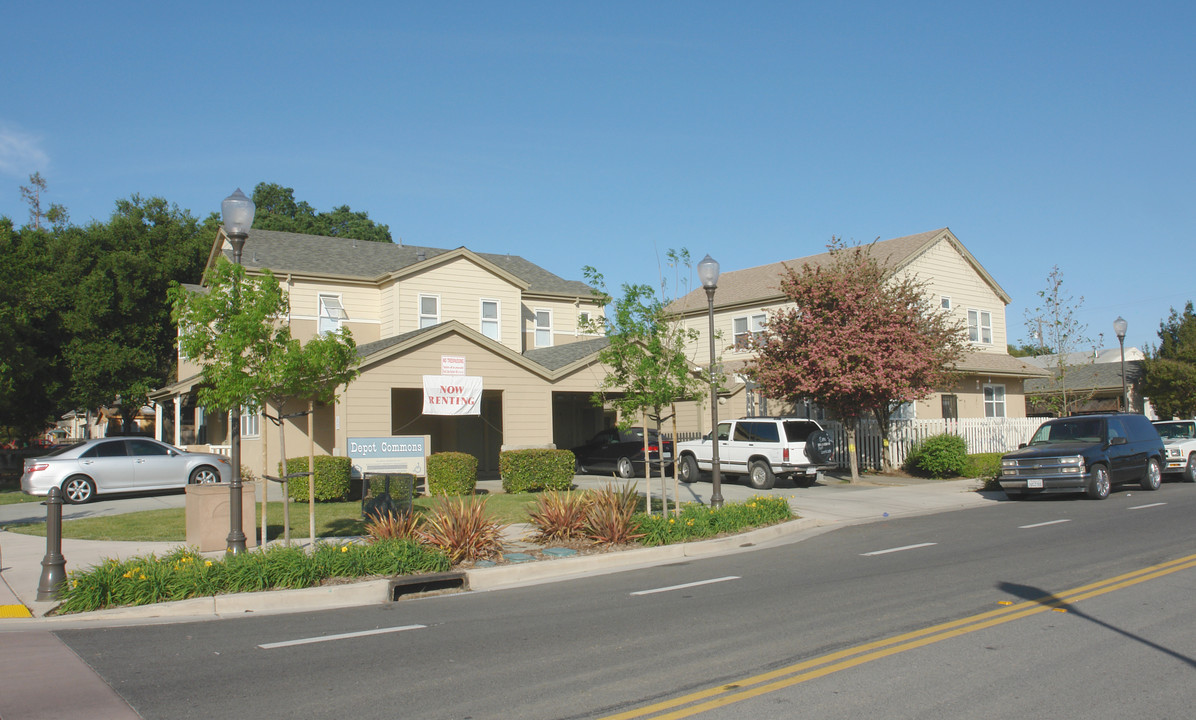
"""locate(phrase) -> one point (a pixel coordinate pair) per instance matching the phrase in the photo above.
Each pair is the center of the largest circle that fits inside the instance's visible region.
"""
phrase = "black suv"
(1085, 453)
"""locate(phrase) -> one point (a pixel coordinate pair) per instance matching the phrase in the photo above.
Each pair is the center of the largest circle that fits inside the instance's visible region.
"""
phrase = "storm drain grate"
(423, 584)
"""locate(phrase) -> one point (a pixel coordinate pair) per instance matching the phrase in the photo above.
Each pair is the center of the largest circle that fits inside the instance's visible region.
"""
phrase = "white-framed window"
(945, 302)
(994, 401)
(251, 422)
(583, 320)
(980, 326)
(543, 328)
(489, 320)
(747, 330)
(429, 310)
(332, 312)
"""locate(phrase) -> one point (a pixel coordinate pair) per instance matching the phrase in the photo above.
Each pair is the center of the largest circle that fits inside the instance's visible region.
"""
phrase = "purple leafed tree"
(861, 340)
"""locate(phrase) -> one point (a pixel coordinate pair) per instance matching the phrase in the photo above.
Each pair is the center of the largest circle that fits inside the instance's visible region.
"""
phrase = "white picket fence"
(981, 434)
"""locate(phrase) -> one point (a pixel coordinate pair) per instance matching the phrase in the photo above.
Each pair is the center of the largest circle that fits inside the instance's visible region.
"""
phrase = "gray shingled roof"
(558, 356)
(762, 283)
(283, 252)
(1095, 376)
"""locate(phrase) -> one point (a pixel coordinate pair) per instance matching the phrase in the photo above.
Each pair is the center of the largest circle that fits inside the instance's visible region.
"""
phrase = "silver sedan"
(126, 464)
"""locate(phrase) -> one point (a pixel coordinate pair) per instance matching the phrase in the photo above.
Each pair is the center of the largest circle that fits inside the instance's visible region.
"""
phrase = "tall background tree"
(276, 209)
(1170, 368)
(858, 342)
(1053, 327)
(120, 342)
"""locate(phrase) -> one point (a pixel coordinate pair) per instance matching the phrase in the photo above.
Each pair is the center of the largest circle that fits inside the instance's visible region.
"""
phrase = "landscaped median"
(454, 533)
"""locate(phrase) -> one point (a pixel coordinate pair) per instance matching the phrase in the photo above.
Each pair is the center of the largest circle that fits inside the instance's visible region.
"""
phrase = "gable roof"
(347, 258)
(761, 284)
(1095, 376)
(550, 363)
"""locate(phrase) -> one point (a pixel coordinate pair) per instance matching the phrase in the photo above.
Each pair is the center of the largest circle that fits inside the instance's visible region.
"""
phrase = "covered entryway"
(576, 419)
(478, 435)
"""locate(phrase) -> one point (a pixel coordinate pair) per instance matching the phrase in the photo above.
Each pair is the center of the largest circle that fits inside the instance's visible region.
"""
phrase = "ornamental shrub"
(333, 478)
(536, 469)
(986, 467)
(452, 473)
(939, 456)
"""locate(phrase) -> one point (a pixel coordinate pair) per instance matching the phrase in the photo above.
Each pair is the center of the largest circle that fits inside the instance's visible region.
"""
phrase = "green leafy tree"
(236, 331)
(648, 368)
(1170, 369)
(858, 342)
(1059, 333)
(119, 340)
(33, 376)
(276, 209)
(32, 194)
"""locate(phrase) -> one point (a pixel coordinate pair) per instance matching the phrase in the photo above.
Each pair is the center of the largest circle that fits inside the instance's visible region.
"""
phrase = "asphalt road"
(898, 619)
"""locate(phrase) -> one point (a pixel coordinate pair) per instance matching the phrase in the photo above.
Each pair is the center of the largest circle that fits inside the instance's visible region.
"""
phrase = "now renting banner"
(452, 395)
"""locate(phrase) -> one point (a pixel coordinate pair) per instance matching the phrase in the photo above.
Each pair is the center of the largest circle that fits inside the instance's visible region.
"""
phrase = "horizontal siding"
(946, 272)
(460, 285)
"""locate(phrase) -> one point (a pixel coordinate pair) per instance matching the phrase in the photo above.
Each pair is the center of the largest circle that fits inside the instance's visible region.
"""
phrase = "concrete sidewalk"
(830, 502)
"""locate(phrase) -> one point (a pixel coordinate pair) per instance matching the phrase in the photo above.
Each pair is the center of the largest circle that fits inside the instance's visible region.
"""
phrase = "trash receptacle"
(386, 493)
(207, 513)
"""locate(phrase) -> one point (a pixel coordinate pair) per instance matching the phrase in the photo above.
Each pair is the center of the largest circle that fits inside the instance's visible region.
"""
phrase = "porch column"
(157, 420)
(178, 420)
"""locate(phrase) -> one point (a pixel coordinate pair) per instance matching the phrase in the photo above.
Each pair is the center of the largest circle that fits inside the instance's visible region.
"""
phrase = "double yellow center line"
(756, 685)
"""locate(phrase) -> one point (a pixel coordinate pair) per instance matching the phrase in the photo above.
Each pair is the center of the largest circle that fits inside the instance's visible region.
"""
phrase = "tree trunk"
(851, 457)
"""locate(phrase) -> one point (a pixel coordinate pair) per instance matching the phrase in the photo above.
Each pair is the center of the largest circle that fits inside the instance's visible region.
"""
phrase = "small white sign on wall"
(452, 365)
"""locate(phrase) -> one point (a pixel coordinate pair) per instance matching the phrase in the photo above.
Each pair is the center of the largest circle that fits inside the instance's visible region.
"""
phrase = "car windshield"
(1062, 431)
(1176, 430)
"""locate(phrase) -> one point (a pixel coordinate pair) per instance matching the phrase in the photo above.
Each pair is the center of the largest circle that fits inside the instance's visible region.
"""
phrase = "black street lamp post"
(708, 274)
(237, 212)
(1119, 327)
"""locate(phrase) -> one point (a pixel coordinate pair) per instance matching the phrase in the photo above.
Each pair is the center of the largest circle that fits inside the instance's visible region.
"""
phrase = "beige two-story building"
(418, 312)
(990, 381)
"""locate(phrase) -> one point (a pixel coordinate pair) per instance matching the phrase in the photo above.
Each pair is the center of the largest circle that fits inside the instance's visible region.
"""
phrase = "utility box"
(208, 515)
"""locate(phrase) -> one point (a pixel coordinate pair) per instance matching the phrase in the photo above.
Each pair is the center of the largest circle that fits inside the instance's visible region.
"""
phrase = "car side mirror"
(1117, 441)
(1021, 445)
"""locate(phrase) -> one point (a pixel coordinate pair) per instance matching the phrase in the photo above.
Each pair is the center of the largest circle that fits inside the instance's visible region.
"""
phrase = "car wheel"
(687, 472)
(1153, 477)
(1098, 483)
(1190, 470)
(205, 475)
(625, 468)
(78, 490)
(760, 475)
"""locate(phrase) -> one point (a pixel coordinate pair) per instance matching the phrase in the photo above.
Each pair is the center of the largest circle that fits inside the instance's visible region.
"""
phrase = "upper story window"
(490, 319)
(994, 401)
(543, 328)
(980, 326)
(429, 310)
(748, 330)
(332, 312)
(945, 302)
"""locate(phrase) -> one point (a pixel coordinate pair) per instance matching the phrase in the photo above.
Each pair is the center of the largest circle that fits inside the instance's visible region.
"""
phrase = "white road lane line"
(1139, 507)
(686, 585)
(341, 636)
(897, 549)
(1042, 524)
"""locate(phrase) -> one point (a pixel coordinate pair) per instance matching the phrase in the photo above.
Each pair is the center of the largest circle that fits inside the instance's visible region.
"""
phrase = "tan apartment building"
(418, 313)
(990, 384)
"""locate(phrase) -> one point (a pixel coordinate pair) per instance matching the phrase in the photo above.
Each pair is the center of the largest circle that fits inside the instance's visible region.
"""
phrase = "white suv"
(760, 448)
(1179, 439)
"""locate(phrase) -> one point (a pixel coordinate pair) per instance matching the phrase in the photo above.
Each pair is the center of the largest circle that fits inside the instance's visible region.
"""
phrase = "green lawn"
(10, 496)
(337, 519)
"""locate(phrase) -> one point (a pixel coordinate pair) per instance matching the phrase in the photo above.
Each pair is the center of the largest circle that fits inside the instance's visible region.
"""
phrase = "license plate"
(1034, 483)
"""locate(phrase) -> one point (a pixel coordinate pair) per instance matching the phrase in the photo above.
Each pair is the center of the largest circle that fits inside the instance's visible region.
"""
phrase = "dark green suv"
(1085, 453)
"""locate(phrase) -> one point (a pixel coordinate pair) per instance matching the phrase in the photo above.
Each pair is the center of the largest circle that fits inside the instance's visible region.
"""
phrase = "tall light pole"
(708, 274)
(1119, 327)
(237, 213)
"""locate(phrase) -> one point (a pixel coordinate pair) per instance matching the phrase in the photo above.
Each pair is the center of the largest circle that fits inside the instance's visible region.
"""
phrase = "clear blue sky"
(604, 133)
